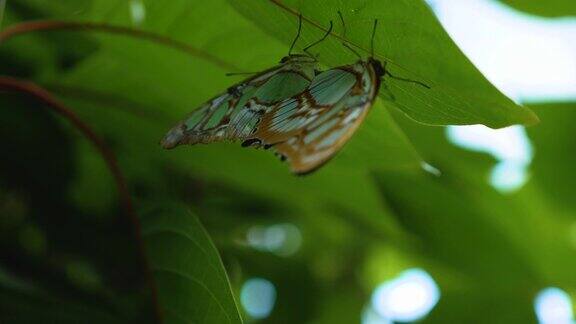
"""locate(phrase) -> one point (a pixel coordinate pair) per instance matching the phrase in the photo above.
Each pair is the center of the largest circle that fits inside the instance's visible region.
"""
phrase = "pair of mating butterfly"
(305, 115)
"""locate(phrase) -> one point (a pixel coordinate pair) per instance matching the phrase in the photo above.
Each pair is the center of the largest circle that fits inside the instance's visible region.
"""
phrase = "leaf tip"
(531, 118)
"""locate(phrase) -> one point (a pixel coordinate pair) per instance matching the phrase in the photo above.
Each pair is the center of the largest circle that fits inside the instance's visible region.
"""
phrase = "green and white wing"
(236, 114)
(204, 125)
(311, 128)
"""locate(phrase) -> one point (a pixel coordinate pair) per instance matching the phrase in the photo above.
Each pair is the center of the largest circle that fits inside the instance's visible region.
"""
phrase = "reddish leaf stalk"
(47, 25)
(12, 84)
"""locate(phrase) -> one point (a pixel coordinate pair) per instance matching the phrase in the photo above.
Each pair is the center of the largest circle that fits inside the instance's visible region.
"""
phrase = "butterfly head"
(379, 68)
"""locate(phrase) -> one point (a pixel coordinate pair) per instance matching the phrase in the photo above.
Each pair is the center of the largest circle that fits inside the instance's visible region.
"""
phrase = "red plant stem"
(8, 83)
(46, 25)
(105, 99)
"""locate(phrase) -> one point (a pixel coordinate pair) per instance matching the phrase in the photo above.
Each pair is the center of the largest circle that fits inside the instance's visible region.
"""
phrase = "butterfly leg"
(234, 91)
(256, 142)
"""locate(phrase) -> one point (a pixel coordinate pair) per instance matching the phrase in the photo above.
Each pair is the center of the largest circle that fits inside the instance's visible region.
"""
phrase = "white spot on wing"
(318, 132)
(333, 137)
(352, 116)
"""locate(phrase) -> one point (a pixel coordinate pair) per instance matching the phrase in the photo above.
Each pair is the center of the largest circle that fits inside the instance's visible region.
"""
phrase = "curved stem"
(8, 83)
(46, 25)
(111, 100)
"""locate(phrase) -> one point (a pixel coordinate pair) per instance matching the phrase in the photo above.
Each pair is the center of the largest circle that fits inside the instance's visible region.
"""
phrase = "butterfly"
(308, 129)
(235, 114)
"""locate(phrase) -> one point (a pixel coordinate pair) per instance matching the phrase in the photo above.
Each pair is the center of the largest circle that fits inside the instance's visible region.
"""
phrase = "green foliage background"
(69, 253)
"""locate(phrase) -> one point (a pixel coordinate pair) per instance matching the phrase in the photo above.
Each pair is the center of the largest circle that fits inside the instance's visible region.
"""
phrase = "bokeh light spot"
(258, 297)
(281, 239)
(370, 316)
(408, 297)
(137, 12)
(554, 306)
(508, 176)
(510, 146)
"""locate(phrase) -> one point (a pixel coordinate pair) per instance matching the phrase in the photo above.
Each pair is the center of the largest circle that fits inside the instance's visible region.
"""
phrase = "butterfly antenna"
(297, 34)
(373, 35)
(343, 24)
(352, 50)
(344, 36)
(320, 40)
(422, 84)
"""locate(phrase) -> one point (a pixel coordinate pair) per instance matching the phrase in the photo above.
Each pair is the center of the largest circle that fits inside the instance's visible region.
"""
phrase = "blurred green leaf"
(189, 275)
(23, 307)
(501, 250)
(455, 230)
(553, 166)
(548, 8)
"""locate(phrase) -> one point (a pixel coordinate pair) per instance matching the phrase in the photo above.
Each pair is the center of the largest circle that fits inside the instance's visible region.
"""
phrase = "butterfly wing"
(190, 130)
(235, 114)
(306, 121)
(309, 130)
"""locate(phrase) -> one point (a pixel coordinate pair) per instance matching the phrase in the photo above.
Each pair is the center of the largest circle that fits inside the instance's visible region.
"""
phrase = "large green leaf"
(412, 41)
(153, 80)
(190, 278)
(549, 8)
